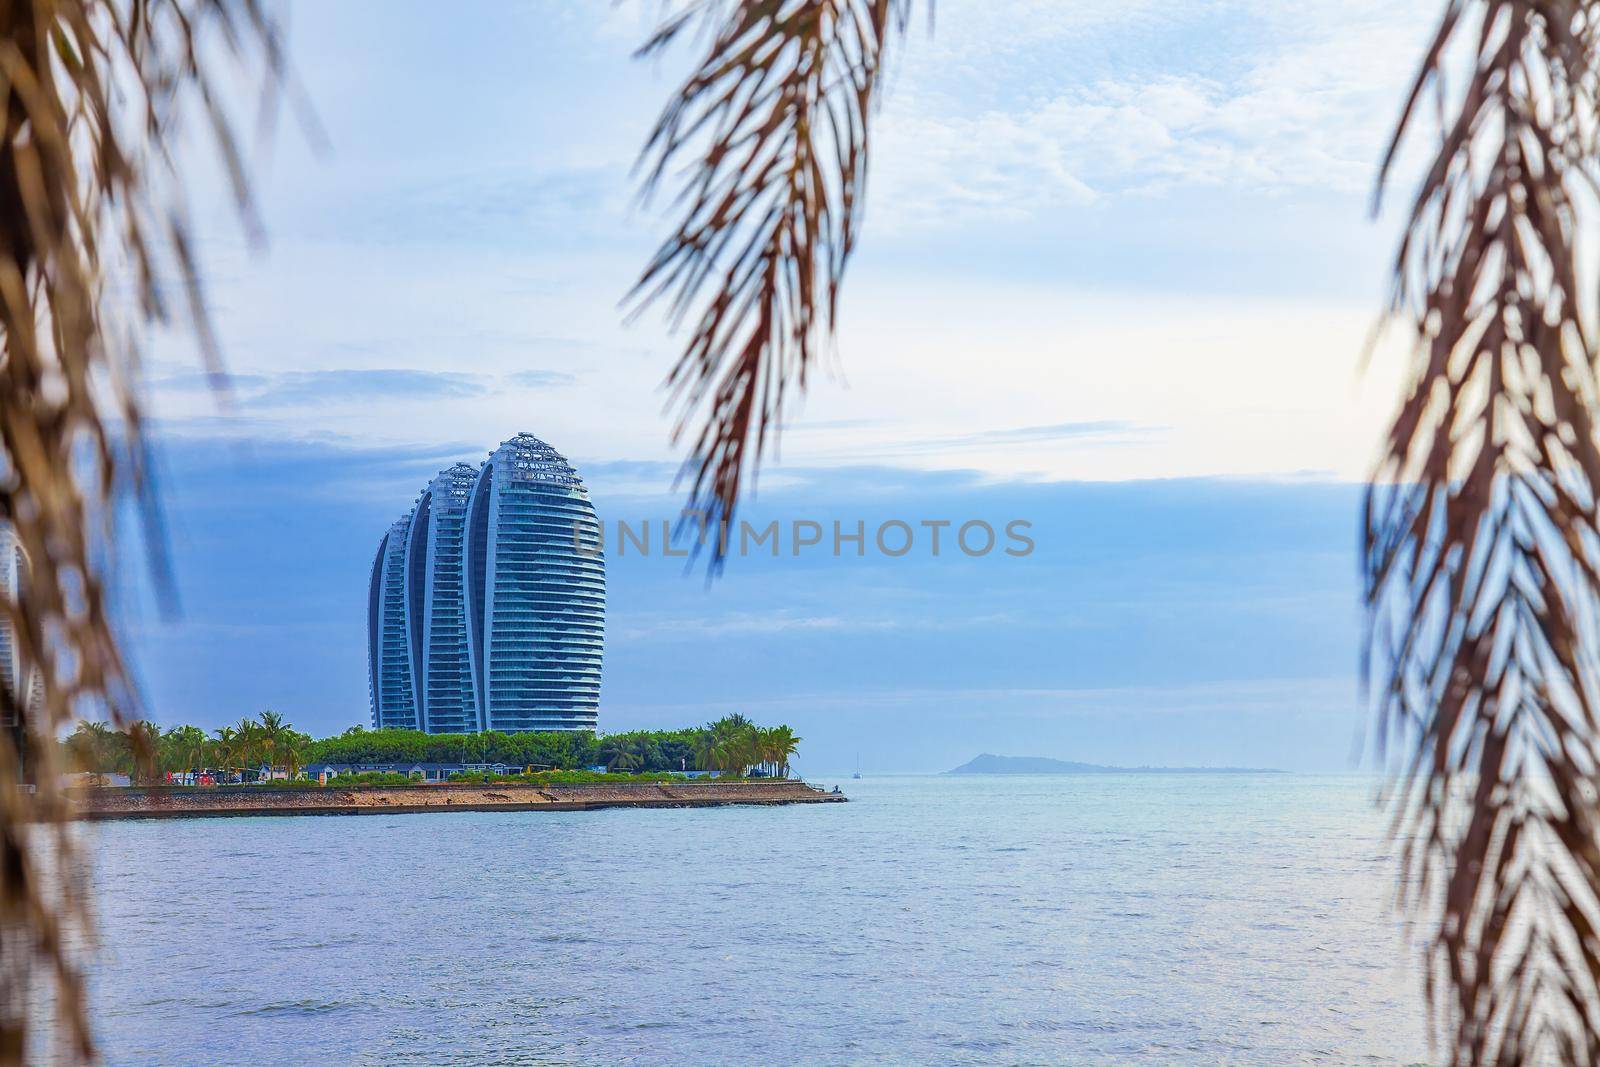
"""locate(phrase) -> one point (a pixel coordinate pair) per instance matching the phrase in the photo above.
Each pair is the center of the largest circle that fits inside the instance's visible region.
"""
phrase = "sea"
(1075, 919)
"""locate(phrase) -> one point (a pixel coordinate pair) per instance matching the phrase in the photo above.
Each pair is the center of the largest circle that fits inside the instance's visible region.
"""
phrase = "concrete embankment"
(101, 804)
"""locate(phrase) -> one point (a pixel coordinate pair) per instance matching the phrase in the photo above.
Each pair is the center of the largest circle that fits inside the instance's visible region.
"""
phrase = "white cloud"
(507, 250)
(1303, 100)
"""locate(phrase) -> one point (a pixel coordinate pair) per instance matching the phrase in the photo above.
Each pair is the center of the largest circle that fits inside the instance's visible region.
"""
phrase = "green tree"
(96, 747)
(778, 746)
(707, 751)
(226, 747)
(146, 756)
(729, 746)
(249, 740)
(289, 751)
(622, 761)
(187, 748)
(274, 733)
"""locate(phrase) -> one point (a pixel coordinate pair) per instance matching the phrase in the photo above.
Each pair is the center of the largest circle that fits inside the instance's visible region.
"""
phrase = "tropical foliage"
(148, 754)
(776, 121)
(538, 750)
(732, 746)
(94, 246)
(1483, 535)
(573, 777)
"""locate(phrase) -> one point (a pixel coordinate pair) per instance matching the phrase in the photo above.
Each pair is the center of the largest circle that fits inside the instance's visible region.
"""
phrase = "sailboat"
(858, 766)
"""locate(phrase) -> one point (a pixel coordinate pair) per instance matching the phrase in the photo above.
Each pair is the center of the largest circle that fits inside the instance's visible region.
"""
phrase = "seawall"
(113, 803)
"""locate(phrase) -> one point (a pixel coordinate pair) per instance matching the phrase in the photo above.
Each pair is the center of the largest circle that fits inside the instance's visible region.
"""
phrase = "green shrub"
(373, 778)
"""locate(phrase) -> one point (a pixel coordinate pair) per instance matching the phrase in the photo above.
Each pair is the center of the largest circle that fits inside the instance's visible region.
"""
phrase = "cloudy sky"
(1118, 271)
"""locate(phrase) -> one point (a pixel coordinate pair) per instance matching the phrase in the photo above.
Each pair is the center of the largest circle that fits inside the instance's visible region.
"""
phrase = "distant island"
(991, 764)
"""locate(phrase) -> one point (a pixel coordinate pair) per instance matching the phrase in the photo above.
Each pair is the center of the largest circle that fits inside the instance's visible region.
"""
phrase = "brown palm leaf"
(95, 91)
(776, 117)
(1482, 542)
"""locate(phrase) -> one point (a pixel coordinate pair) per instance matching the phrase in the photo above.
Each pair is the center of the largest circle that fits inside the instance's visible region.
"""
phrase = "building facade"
(437, 616)
(535, 599)
(388, 636)
(22, 681)
(499, 583)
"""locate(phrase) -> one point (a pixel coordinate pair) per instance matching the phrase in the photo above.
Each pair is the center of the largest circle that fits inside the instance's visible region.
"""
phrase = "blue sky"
(1116, 278)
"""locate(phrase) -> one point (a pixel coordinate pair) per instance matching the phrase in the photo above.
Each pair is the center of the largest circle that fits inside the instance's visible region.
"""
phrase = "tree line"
(147, 753)
(731, 746)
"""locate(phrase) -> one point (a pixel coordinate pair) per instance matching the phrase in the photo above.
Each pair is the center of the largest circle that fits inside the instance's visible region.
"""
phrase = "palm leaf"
(1482, 542)
(775, 120)
(94, 95)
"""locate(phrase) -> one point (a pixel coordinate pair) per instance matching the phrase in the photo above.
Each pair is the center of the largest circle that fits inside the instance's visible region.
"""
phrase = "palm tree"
(760, 749)
(274, 733)
(144, 749)
(226, 747)
(705, 749)
(732, 745)
(748, 750)
(95, 745)
(622, 760)
(251, 744)
(293, 758)
(783, 745)
(714, 747)
(643, 750)
(189, 749)
(729, 746)
(616, 752)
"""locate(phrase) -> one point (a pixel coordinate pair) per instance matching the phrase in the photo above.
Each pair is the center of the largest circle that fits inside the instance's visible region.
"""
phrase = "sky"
(1118, 271)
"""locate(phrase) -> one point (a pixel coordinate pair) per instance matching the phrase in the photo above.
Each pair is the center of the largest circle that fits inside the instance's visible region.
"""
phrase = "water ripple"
(1140, 919)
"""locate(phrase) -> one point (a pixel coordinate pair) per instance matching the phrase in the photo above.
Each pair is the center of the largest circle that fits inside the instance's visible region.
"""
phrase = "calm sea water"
(983, 920)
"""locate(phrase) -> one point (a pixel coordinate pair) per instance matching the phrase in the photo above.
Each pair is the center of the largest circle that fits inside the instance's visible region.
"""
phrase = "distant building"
(437, 596)
(22, 681)
(394, 701)
(535, 603)
(487, 603)
(428, 772)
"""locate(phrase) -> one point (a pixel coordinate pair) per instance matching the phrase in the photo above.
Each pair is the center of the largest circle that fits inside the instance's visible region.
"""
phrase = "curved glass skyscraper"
(488, 600)
(535, 602)
(437, 616)
(22, 682)
(389, 650)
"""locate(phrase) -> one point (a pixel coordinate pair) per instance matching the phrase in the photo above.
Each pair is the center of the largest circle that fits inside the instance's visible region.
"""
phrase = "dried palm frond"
(1482, 544)
(94, 94)
(777, 118)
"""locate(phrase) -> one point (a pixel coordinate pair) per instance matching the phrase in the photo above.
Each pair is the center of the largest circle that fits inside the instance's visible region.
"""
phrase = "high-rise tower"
(389, 640)
(487, 604)
(24, 682)
(436, 600)
(536, 594)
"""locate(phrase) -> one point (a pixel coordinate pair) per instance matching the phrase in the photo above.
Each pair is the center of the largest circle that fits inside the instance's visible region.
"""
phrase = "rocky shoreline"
(136, 803)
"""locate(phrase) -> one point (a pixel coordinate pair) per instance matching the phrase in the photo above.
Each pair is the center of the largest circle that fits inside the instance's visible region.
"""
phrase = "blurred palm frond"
(95, 95)
(1482, 548)
(775, 120)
